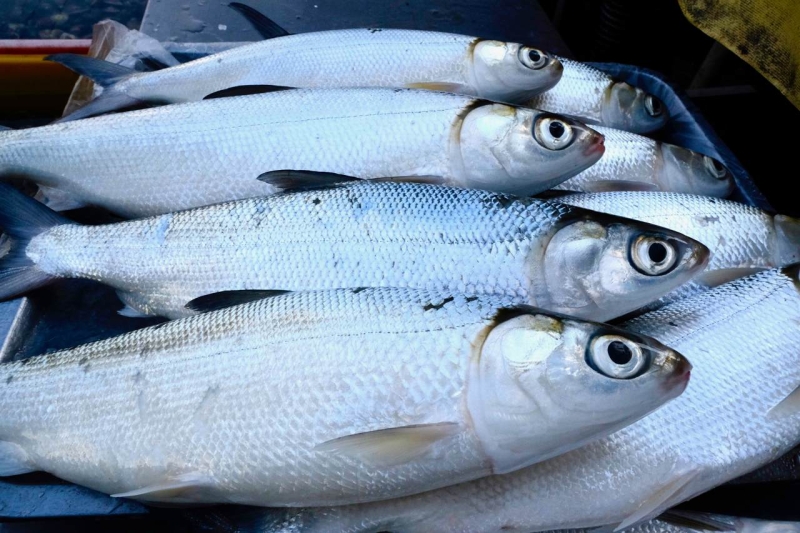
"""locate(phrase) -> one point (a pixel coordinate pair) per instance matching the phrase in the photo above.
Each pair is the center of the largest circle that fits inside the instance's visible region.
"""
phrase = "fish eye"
(616, 357)
(715, 168)
(532, 58)
(653, 256)
(653, 106)
(553, 133)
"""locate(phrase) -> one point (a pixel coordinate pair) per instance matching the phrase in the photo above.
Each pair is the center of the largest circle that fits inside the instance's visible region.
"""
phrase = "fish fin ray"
(304, 180)
(103, 73)
(220, 300)
(244, 90)
(617, 185)
(438, 86)
(714, 278)
(178, 489)
(13, 460)
(263, 24)
(660, 500)
(390, 447)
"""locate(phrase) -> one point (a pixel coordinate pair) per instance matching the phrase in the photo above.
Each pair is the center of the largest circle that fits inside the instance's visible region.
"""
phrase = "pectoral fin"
(789, 406)
(617, 185)
(185, 488)
(438, 86)
(661, 499)
(390, 447)
(714, 278)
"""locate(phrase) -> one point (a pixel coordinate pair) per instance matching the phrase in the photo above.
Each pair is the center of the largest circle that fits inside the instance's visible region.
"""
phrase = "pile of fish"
(379, 320)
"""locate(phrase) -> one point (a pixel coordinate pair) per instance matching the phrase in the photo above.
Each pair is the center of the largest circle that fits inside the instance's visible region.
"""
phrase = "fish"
(356, 234)
(176, 157)
(742, 239)
(633, 162)
(596, 98)
(361, 57)
(240, 519)
(741, 336)
(327, 398)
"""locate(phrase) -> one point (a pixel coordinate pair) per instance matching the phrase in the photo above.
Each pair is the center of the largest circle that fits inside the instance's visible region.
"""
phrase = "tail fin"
(22, 218)
(103, 73)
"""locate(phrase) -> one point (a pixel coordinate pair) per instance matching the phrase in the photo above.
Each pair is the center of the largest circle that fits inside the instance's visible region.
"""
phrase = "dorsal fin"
(103, 73)
(304, 180)
(244, 90)
(265, 27)
(220, 300)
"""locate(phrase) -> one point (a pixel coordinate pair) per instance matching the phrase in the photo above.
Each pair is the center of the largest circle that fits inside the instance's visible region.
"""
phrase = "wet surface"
(64, 19)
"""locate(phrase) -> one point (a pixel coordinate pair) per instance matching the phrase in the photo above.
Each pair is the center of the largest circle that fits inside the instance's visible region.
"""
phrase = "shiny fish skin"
(593, 96)
(353, 58)
(180, 156)
(741, 238)
(208, 409)
(373, 234)
(635, 162)
(683, 449)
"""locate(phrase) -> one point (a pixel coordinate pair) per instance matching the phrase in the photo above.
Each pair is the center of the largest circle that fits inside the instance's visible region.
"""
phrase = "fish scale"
(180, 263)
(580, 92)
(187, 155)
(628, 156)
(340, 58)
(713, 433)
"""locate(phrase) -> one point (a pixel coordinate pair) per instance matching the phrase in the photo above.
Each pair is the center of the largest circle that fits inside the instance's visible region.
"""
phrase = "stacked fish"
(376, 327)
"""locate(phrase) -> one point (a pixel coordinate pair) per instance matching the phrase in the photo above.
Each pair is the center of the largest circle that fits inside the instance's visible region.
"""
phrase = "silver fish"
(636, 163)
(596, 98)
(742, 239)
(324, 398)
(186, 155)
(496, 70)
(363, 234)
(742, 336)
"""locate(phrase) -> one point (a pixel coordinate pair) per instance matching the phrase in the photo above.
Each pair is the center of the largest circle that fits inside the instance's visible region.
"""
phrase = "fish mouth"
(680, 375)
(597, 146)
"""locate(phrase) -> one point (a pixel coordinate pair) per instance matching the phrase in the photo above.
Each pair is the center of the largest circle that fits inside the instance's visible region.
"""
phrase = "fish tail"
(22, 218)
(103, 73)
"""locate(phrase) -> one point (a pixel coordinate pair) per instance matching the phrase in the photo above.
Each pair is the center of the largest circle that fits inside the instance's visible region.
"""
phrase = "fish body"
(742, 239)
(395, 58)
(331, 397)
(362, 234)
(634, 162)
(742, 336)
(596, 98)
(176, 157)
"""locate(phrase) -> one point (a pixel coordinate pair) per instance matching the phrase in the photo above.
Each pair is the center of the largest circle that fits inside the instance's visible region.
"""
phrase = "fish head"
(599, 267)
(511, 72)
(545, 384)
(522, 151)
(689, 172)
(631, 109)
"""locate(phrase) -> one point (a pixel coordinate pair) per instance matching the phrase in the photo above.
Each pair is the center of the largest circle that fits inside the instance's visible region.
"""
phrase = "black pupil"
(655, 103)
(534, 55)
(718, 166)
(556, 129)
(657, 252)
(619, 353)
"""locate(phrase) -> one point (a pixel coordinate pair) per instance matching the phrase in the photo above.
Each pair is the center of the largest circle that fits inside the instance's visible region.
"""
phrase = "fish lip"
(597, 146)
(681, 372)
